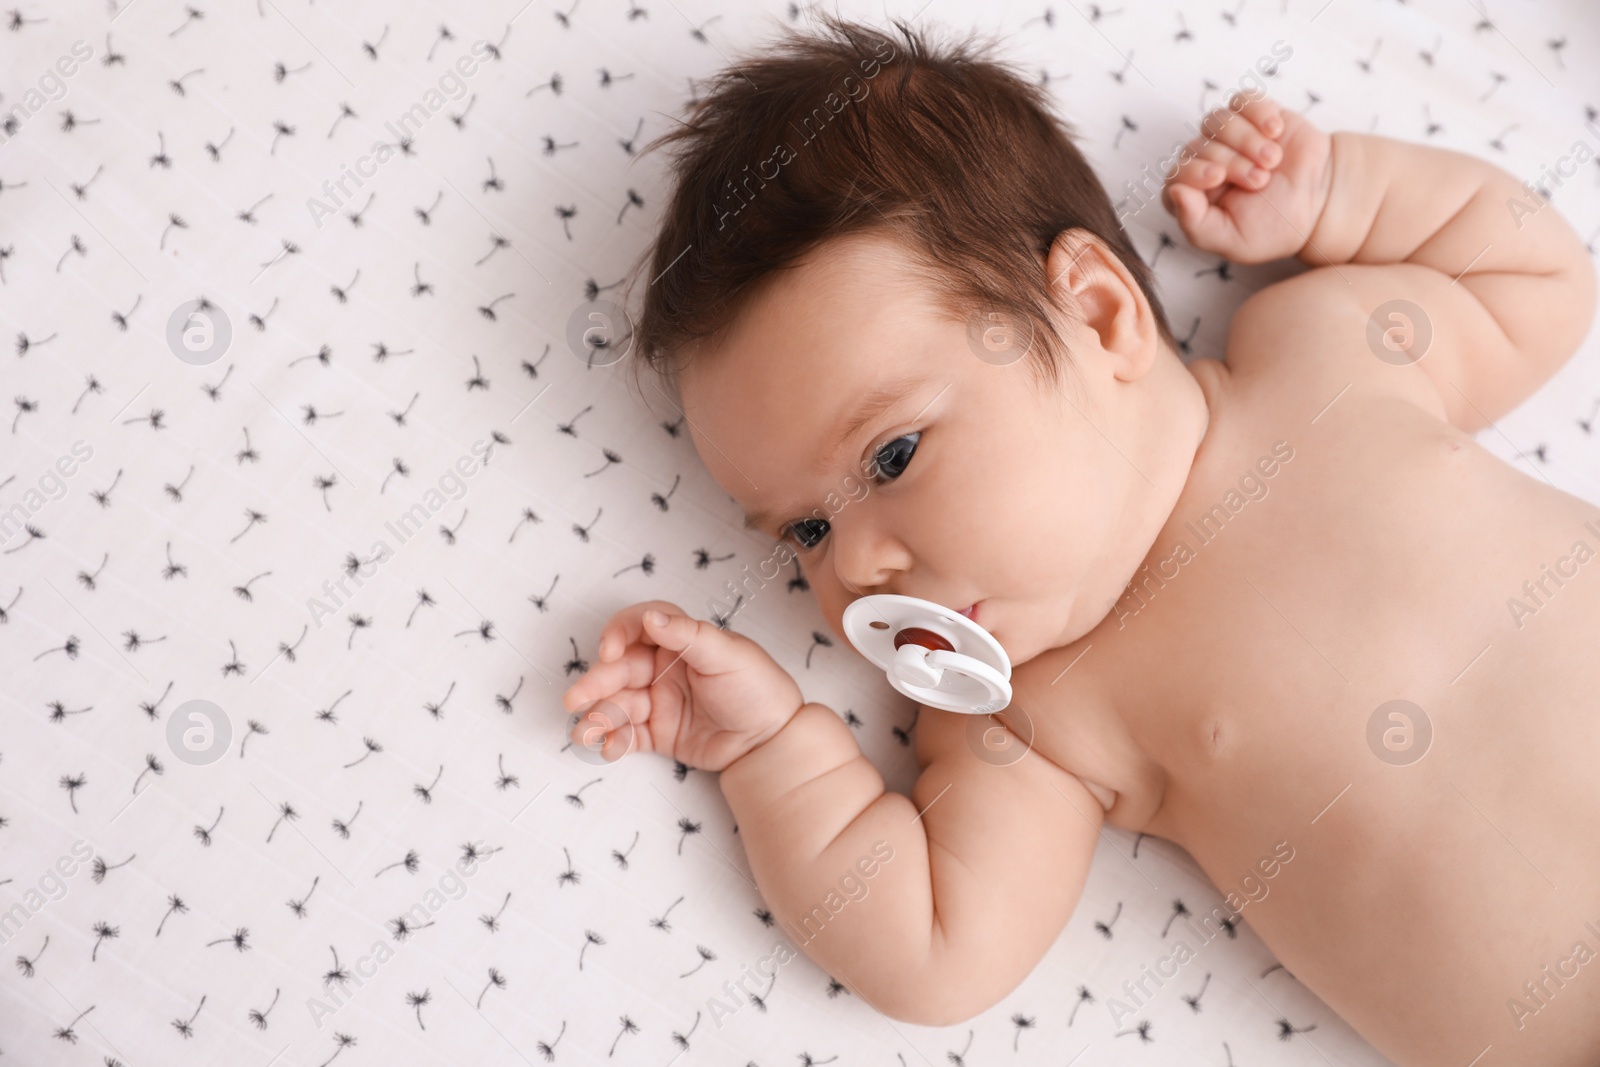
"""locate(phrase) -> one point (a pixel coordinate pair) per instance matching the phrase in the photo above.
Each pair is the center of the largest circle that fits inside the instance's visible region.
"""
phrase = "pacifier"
(932, 654)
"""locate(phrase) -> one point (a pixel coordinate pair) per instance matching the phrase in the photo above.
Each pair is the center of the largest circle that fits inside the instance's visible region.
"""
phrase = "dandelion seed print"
(402, 927)
(329, 713)
(337, 975)
(504, 702)
(685, 828)
(67, 1033)
(423, 600)
(589, 938)
(437, 710)
(204, 832)
(239, 939)
(1020, 1022)
(706, 956)
(133, 641)
(5, 611)
(299, 906)
(621, 858)
(103, 932)
(369, 746)
(575, 798)
(1142, 1031)
(72, 783)
(549, 1051)
(409, 862)
(528, 516)
(100, 868)
(628, 1027)
(342, 1041)
(570, 875)
(1104, 928)
(539, 601)
(1084, 997)
(152, 710)
(425, 792)
(285, 811)
(59, 711)
(1287, 1030)
(88, 578)
(682, 1040)
(504, 781)
(252, 727)
(647, 565)
(342, 826)
(472, 854)
(91, 383)
(484, 630)
(34, 534)
(258, 1019)
(660, 921)
(399, 468)
(417, 1000)
(151, 766)
(25, 964)
(1179, 909)
(1194, 1000)
(491, 921)
(496, 981)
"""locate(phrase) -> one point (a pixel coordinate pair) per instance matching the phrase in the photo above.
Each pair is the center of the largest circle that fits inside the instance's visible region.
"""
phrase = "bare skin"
(1360, 548)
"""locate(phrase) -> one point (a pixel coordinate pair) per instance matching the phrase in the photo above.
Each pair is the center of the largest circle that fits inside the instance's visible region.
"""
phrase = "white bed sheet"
(417, 720)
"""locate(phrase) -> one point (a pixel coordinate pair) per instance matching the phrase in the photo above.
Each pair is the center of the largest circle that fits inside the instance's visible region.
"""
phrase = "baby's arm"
(1504, 288)
(1507, 287)
(975, 891)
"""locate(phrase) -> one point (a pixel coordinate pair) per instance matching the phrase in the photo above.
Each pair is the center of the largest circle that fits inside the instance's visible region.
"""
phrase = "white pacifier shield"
(973, 676)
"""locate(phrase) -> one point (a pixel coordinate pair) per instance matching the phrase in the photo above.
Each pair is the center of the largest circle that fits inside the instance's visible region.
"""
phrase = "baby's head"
(910, 336)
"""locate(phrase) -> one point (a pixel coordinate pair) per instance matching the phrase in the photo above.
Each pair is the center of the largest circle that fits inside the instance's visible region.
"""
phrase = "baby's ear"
(1102, 297)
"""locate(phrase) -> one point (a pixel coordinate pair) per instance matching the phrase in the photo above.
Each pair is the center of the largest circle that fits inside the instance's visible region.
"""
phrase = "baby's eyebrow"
(872, 405)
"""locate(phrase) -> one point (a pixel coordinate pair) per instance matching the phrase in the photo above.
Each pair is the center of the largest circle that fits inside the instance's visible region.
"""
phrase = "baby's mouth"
(971, 611)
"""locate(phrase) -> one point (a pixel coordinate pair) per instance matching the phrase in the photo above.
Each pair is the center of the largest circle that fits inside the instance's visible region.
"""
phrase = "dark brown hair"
(849, 131)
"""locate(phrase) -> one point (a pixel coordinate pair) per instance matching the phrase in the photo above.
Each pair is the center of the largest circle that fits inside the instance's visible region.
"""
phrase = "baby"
(1280, 609)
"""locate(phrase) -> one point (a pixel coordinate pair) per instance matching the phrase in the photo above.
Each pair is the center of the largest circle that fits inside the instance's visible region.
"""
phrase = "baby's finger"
(1206, 225)
(1240, 169)
(706, 648)
(1186, 203)
(626, 627)
(634, 670)
(1241, 134)
(1263, 112)
(1199, 172)
(612, 728)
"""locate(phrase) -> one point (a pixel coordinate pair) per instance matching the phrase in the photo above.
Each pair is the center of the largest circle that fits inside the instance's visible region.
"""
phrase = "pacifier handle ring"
(999, 688)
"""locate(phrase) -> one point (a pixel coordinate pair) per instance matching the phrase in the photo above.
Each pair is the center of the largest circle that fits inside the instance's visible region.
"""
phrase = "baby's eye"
(894, 456)
(888, 462)
(807, 533)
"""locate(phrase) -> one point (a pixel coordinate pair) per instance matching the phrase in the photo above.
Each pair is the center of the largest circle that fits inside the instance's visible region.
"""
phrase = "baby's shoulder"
(1308, 337)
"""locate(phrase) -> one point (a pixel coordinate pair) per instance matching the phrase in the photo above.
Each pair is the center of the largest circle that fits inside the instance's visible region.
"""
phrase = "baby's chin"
(1044, 629)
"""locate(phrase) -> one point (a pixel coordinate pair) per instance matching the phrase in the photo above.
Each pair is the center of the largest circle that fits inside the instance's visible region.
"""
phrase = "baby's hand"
(1254, 191)
(681, 687)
